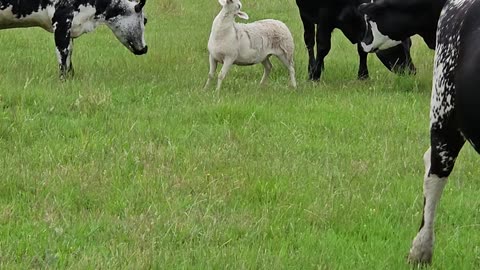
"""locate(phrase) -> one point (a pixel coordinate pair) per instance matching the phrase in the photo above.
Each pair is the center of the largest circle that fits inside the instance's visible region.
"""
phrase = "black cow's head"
(127, 21)
(390, 21)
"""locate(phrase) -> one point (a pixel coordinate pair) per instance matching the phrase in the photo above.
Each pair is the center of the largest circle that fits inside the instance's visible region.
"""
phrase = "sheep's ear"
(222, 2)
(242, 15)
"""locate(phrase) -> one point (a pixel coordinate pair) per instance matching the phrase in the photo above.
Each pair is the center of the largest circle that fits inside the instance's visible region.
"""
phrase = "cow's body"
(69, 19)
(327, 15)
(455, 103)
(40, 14)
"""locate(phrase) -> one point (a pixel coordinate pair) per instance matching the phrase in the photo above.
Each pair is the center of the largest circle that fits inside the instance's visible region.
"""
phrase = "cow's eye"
(145, 21)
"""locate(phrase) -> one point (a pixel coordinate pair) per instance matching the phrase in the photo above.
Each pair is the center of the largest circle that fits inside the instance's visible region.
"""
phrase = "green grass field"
(132, 165)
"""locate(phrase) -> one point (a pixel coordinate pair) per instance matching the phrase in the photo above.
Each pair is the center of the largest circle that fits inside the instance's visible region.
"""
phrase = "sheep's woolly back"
(268, 34)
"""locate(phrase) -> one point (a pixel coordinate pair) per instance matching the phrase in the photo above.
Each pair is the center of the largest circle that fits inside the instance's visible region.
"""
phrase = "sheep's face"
(234, 7)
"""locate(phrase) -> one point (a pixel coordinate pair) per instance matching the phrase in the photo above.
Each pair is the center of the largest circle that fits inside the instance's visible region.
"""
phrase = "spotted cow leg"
(62, 22)
(362, 68)
(439, 161)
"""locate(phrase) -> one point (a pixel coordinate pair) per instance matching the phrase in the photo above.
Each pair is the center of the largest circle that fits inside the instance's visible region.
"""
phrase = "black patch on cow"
(23, 8)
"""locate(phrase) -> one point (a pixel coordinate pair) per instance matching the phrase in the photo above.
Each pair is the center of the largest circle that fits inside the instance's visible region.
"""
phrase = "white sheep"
(247, 44)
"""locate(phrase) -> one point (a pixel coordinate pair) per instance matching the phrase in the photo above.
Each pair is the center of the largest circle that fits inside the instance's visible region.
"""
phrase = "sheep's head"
(234, 6)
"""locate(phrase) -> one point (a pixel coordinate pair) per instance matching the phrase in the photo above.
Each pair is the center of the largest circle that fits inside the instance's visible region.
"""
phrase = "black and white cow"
(327, 15)
(69, 19)
(451, 27)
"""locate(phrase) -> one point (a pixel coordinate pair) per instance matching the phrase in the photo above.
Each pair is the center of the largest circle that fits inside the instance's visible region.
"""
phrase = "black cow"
(327, 15)
(451, 27)
(68, 19)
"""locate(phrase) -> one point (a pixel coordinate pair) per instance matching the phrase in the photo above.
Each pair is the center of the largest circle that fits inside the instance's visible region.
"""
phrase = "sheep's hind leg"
(227, 64)
(267, 68)
(288, 62)
(211, 73)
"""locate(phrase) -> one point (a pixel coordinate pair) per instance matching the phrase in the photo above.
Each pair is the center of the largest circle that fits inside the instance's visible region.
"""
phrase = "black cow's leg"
(362, 68)
(62, 22)
(409, 67)
(324, 35)
(71, 70)
(309, 38)
(398, 58)
(439, 161)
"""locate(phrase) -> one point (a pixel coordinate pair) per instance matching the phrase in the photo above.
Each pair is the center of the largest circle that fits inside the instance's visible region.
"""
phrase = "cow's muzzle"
(142, 51)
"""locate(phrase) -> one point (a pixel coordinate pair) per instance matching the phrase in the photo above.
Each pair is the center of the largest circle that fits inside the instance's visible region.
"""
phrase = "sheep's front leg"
(62, 22)
(267, 68)
(227, 64)
(213, 69)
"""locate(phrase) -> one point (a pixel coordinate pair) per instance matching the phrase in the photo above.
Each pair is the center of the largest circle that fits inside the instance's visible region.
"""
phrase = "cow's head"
(388, 22)
(234, 7)
(127, 21)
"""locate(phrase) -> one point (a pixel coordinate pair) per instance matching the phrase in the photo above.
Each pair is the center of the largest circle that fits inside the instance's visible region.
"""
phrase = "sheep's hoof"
(421, 252)
(419, 258)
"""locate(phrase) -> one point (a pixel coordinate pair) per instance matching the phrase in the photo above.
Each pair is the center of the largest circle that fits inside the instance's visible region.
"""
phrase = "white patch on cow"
(42, 18)
(380, 41)
(59, 56)
(457, 3)
(422, 246)
(445, 63)
(84, 21)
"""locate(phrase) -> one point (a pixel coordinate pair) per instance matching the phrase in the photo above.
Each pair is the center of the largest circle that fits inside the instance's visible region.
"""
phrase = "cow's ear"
(370, 9)
(139, 6)
(222, 2)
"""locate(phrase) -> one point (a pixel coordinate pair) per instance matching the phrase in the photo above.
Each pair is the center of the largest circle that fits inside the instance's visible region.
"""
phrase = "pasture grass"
(132, 165)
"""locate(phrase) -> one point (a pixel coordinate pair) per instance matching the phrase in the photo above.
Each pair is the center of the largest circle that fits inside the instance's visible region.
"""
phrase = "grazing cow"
(451, 27)
(327, 15)
(69, 19)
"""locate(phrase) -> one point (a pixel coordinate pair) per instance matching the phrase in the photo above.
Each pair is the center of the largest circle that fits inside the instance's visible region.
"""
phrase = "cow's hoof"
(363, 77)
(314, 77)
(412, 70)
(71, 72)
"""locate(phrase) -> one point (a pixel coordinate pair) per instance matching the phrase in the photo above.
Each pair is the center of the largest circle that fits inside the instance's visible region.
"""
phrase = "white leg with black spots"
(422, 246)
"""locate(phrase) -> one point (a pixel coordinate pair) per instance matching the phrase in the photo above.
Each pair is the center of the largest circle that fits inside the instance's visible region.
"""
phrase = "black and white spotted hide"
(452, 28)
(68, 20)
(455, 109)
